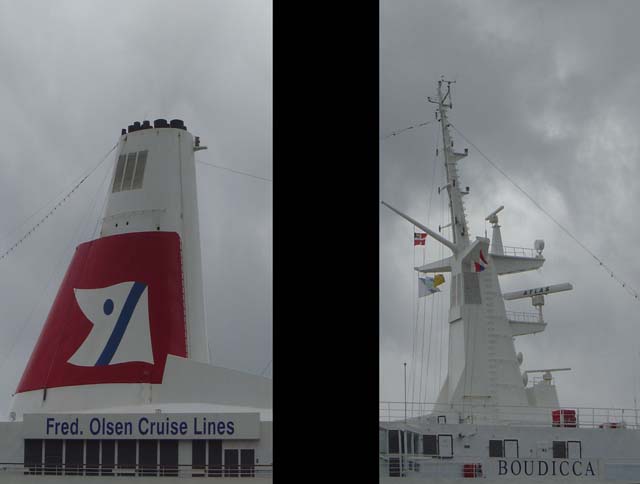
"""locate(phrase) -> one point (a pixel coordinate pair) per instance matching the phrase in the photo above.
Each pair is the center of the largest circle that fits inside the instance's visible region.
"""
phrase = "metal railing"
(586, 417)
(519, 251)
(185, 471)
(523, 317)
(535, 380)
(415, 465)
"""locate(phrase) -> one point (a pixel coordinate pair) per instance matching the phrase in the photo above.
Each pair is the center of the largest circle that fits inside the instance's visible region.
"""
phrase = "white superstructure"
(492, 420)
(119, 382)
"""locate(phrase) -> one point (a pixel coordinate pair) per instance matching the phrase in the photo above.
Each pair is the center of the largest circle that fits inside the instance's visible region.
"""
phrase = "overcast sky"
(72, 74)
(550, 92)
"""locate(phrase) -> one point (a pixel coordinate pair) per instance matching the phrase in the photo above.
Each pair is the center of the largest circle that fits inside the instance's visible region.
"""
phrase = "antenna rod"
(405, 392)
(458, 218)
(433, 234)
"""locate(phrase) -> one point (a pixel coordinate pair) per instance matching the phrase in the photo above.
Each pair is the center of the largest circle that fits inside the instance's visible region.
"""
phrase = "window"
(394, 442)
(198, 455)
(53, 457)
(445, 446)
(117, 179)
(139, 171)
(108, 457)
(402, 441)
(409, 442)
(511, 448)
(73, 457)
(574, 449)
(231, 462)
(148, 457)
(168, 457)
(559, 449)
(247, 461)
(129, 173)
(215, 458)
(416, 440)
(126, 457)
(496, 448)
(430, 445)
(33, 456)
(93, 457)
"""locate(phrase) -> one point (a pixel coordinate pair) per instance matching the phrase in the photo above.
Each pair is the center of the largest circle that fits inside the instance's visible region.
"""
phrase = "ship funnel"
(133, 297)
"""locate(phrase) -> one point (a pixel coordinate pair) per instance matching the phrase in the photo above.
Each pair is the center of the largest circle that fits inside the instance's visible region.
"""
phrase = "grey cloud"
(73, 74)
(549, 92)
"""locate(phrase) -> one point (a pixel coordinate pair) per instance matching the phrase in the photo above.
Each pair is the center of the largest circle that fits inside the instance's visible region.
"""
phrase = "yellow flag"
(437, 280)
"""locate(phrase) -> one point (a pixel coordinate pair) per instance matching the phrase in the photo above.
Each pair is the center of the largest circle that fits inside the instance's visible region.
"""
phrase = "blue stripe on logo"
(121, 325)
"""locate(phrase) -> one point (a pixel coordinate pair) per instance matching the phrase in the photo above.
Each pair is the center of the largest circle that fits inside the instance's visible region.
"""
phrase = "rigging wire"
(50, 279)
(74, 243)
(432, 189)
(437, 296)
(422, 365)
(395, 133)
(624, 285)
(16, 228)
(412, 369)
(440, 314)
(416, 332)
(266, 367)
(234, 171)
(104, 202)
(34, 227)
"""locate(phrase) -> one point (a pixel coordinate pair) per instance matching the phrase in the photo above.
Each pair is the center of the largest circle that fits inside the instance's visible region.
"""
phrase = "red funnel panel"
(118, 313)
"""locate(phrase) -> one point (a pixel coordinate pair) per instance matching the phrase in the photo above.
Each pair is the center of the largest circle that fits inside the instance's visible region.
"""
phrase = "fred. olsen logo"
(544, 468)
(118, 314)
(120, 333)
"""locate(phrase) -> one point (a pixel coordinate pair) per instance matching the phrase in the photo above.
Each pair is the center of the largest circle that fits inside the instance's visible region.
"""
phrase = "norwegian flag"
(419, 238)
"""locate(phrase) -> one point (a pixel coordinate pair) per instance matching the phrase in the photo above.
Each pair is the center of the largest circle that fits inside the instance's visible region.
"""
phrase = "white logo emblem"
(120, 318)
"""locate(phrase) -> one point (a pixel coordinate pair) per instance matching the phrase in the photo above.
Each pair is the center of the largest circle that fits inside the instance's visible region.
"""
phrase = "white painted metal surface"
(491, 421)
(153, 189)
(166, 201)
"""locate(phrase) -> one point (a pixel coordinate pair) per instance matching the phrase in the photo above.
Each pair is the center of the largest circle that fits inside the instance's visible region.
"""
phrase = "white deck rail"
(586, 417)
(523, 316)
(184, 471)
(519, 251)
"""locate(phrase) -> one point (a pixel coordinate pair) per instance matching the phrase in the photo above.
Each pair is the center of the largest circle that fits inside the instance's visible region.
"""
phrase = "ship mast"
(484, 380)
(459, 226)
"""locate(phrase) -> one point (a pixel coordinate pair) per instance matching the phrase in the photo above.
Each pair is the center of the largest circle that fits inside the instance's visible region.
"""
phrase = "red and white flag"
(479, 267)
(419, 239)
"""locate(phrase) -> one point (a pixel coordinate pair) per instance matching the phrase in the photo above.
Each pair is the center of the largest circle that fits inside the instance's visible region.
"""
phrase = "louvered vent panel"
(117, 179)
(139, 174)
